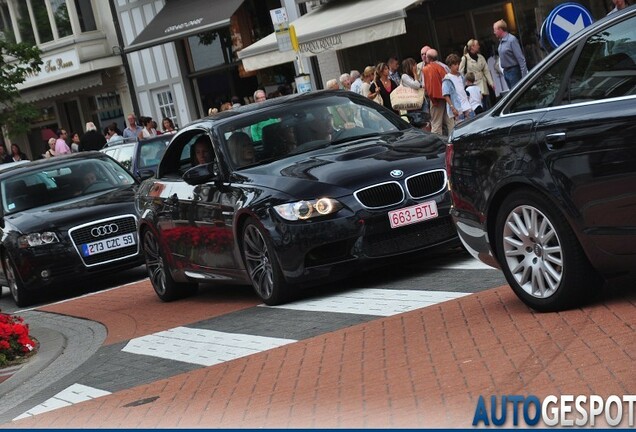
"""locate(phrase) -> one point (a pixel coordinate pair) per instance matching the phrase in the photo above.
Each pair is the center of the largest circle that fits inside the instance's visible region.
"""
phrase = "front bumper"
(60, 264)
(337, 246)
(474, 237)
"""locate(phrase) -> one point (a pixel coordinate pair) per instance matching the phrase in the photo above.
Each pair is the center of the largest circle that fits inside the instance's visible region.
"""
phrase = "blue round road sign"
(566, 20)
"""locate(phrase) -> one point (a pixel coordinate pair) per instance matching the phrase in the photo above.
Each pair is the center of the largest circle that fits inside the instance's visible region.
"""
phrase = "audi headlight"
(37, 239)
(302, 210)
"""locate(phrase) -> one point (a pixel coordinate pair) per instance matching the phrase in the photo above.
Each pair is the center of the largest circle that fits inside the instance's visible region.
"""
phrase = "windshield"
(67, 180)
(302, 127)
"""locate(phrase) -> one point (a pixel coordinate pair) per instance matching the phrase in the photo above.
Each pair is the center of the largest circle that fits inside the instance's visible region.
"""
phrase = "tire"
(540, 256)
(21, 296)
(159, 274)
(262, 265)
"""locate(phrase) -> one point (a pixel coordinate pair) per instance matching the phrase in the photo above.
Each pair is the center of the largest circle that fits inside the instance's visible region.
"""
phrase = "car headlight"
(37, 239)
(302, 210)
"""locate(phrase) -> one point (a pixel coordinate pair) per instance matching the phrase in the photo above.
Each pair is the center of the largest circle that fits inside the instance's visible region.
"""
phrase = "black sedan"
(291, 191)
(544, 185)
(64, 219)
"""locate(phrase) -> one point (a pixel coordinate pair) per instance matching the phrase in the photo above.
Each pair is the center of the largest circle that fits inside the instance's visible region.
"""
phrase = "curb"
(52, 344)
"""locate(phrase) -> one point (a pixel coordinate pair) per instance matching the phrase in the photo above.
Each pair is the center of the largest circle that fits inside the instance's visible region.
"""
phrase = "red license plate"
(414, 214)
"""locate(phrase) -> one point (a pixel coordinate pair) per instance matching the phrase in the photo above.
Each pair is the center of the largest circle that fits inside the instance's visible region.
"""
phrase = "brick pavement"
(424, 368)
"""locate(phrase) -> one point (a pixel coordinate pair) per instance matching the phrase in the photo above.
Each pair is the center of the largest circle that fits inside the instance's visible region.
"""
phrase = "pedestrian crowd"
(92, 139)
(441, 94)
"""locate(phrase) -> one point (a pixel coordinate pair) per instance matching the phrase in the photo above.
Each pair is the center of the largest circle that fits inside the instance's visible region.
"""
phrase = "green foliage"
(17, 61)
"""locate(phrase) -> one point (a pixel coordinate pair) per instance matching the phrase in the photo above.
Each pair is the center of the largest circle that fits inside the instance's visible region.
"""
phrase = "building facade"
(82, 77)
(187, 57)
(341, 35)
(183, 53)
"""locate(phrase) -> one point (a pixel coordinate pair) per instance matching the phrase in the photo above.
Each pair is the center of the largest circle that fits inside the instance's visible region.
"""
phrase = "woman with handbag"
(474, 62)
(416, 116)
(382, 85)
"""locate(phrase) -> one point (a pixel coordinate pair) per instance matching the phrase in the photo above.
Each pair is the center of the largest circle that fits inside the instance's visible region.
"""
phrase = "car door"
(587, 138)
(196, 220)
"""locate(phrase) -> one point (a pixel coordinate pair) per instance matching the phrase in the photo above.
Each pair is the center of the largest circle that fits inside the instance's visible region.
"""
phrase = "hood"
(67, 214)
(354, 164)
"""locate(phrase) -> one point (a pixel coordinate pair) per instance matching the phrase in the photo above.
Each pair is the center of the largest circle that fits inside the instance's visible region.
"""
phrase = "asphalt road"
(442, 270)
(81, 287)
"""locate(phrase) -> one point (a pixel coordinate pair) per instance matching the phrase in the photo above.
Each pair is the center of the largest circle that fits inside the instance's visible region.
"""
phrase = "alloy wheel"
(154, 263)
(258, 261)
(11, 279)
(533, 251)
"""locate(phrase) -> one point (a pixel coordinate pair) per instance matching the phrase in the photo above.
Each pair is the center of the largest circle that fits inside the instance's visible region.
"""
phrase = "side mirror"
(145, 174)
(202, 174)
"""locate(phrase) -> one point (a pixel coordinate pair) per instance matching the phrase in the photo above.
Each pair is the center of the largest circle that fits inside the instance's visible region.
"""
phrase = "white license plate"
(109, 244)
(414, 214)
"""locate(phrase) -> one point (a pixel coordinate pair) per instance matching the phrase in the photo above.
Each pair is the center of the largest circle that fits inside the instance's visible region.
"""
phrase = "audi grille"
(103, 230)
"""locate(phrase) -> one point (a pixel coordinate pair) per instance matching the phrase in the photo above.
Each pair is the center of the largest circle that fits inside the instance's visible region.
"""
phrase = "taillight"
(448, 159)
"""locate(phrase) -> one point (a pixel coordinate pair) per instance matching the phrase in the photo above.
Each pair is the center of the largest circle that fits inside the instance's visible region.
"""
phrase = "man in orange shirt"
(433, 75)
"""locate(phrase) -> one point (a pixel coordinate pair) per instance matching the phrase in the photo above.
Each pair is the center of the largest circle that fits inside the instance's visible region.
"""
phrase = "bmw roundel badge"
(397, 173)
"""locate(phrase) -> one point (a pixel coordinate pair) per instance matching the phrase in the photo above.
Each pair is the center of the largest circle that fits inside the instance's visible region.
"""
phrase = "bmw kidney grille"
(391, 193)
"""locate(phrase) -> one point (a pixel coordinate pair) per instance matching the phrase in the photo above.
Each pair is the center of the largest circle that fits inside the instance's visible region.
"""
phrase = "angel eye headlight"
(324, 206)
(303, 210)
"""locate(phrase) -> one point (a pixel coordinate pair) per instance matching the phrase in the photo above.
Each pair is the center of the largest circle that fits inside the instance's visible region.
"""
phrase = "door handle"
(555, 140)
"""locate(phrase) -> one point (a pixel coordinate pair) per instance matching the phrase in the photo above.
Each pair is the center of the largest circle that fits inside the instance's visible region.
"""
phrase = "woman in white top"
(51, 151)
(148, 129)
(418, 117)
(473, 61)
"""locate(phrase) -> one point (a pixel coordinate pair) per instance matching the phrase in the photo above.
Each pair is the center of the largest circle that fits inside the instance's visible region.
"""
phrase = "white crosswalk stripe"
(200, 346)
(367, 301)
(67, 397)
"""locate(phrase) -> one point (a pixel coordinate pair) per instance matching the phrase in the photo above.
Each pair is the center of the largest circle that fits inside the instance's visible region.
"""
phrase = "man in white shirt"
(133, 129)
(356, 86)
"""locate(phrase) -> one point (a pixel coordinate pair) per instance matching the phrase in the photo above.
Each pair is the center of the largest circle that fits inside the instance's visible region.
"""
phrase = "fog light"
(45, 274)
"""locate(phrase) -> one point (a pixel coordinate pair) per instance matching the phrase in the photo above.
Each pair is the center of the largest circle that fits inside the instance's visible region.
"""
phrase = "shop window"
(166, 106)
(25, 25)
(6, 27)
(108, 109)
(36, 17)
(62, 21)
(206, 51)
(41, 16)
(85, 15)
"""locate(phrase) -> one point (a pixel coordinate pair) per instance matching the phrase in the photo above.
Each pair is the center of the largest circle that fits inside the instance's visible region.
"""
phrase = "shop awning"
(54, 89)
(179, 19)
(335, 25)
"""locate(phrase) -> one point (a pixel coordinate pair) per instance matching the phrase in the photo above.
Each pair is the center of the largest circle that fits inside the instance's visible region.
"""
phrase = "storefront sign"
(185, 25)
(53, 66)
(320, 45)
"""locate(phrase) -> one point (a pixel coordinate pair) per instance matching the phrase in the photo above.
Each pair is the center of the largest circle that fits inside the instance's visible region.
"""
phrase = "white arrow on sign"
(567, 26)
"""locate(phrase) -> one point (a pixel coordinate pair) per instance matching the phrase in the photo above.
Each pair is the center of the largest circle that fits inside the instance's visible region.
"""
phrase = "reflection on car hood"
(356, 163)
(70, 213)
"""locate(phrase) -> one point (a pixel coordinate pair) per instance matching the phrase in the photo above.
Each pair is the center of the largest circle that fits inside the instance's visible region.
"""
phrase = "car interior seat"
(17, 195)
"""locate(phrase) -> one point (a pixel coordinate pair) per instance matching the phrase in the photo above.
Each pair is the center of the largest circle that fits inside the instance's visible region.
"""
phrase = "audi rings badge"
(104, 230)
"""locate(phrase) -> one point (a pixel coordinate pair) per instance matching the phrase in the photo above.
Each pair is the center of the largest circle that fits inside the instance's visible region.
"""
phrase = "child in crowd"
(454, 92)
(474, 93)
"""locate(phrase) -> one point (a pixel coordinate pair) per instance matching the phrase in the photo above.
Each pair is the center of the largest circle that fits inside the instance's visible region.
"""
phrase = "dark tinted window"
(545, 88)
(607, 65)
